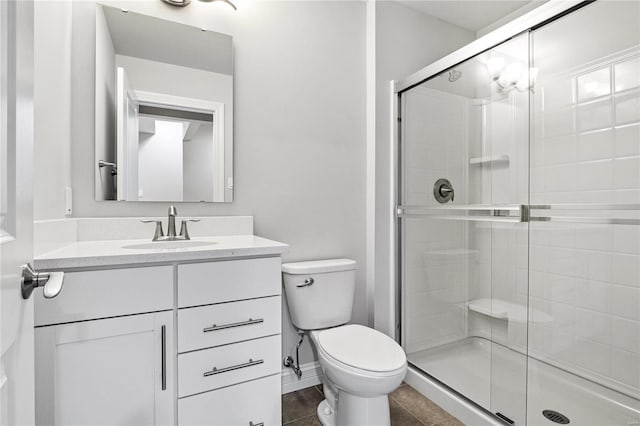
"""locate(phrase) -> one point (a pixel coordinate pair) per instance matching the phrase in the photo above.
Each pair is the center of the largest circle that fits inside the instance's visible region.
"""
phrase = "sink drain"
(556, 417)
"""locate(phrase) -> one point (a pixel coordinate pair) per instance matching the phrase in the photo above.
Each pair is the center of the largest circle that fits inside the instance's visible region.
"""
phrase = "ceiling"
(159, 40)
(472, 15)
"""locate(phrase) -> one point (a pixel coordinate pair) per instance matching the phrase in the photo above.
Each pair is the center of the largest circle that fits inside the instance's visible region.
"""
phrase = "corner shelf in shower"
(491, 160)
(502, 309)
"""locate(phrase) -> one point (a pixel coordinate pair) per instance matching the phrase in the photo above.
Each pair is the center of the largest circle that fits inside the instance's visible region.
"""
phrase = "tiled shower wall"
(586, 277)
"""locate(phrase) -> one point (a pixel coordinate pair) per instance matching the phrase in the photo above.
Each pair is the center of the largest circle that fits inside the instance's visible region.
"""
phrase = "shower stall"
(518, 226)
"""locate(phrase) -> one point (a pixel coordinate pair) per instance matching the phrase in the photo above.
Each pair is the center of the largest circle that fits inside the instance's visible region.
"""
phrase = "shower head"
(454, 75)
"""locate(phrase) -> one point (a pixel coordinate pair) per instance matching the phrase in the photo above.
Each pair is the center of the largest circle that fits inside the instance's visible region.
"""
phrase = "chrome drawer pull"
(163, 355)
(250, 321)
(251, 363)
(256, 424)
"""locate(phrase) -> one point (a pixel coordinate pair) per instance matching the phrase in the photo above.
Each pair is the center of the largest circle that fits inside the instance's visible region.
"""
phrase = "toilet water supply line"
(288, 361)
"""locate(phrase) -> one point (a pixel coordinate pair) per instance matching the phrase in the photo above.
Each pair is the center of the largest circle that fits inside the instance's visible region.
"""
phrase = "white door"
(16, 211)
(117, 372)
(127, 139)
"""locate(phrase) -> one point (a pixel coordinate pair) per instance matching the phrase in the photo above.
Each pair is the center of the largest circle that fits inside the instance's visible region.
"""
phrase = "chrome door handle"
(250, 321)
(51, 281)
(309, 281)
(215, 370)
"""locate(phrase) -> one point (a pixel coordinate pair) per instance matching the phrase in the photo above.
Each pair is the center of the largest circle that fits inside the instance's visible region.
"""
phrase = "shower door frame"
(535, 19)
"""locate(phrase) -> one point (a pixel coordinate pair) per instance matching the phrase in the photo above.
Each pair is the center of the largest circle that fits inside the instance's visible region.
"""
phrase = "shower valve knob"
(443, 191)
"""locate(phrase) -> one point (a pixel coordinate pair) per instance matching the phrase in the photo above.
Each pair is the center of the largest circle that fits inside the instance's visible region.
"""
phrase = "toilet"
(361, 366)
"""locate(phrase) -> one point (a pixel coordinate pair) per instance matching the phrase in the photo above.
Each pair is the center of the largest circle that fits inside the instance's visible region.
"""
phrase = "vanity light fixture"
(178, 3)
(183, 3)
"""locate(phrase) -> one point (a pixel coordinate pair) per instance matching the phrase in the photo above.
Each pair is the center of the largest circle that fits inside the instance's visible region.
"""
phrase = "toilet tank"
(320, 292)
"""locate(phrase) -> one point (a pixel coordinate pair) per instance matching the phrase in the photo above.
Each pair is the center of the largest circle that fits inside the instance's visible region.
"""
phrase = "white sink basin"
(164, 245)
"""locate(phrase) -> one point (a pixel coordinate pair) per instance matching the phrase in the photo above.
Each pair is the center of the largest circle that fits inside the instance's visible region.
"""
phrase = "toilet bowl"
(361, 366)
(364, 366)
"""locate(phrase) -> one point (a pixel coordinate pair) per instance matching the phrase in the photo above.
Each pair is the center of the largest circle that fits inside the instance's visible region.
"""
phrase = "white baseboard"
(311, 376)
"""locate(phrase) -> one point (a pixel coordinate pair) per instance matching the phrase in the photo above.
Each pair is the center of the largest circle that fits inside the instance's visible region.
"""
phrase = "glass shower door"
(584, 328)
(464, 150)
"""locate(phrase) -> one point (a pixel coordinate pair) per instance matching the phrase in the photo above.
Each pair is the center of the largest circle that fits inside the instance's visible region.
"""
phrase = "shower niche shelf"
(490, 160)
(502, 309)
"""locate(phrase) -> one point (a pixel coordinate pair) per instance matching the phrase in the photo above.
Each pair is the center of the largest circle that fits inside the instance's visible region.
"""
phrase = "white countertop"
(88, 254)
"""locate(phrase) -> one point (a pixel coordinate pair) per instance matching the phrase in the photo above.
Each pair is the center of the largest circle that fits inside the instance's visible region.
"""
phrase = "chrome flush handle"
(309, 281)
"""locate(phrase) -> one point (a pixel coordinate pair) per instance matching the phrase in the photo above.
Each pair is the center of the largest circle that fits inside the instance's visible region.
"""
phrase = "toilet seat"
(361, 349)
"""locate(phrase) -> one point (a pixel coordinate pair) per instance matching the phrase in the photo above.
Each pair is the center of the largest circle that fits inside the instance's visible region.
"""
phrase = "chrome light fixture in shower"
(183, 3)
(509, 76)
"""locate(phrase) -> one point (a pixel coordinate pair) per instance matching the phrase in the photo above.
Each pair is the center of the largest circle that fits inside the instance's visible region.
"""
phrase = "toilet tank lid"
(318, 266)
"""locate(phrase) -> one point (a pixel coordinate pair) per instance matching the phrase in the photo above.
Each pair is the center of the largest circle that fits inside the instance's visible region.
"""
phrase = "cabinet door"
(116, 371)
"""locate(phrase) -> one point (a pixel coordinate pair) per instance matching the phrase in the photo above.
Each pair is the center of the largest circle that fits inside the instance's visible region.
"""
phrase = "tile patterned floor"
(407, 406)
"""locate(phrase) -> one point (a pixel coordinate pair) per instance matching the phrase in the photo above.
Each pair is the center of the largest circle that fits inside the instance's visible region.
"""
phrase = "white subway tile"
(596, 145)
(561, 149)
(593, 356)
(557, 94)
(626, 239)
(626, 269)
(594, 175)
(626, 173)
(594, 84)
(627, 140)
(625, 334)
(559, 122)
(627, 74)
(625, 302)
(627, 109)
(594, 115)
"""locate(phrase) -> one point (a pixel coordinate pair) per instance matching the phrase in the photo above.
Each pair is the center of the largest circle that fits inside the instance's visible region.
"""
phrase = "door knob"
(51, 281)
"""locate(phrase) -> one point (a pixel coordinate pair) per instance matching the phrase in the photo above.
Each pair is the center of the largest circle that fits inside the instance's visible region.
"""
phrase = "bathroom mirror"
(163, 111)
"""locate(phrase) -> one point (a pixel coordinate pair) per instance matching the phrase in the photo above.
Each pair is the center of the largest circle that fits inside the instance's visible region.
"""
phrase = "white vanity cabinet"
(229, 343)
(100, 360)
(181, 343)
(116, 371)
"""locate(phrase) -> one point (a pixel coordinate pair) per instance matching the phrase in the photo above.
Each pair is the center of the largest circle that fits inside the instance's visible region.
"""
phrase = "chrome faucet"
(171, 227)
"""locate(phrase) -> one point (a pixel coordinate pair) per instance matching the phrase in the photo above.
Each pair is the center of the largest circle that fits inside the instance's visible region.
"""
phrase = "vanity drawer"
(226, 281)
(257, 401)
(216, 325)
(234, 363)
(108, 293)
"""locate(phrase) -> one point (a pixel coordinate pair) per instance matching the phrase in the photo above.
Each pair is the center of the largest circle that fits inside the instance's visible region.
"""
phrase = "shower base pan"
(495, 378)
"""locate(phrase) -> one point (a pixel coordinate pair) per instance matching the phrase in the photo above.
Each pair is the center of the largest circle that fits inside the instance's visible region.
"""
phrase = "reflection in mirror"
(164, 103)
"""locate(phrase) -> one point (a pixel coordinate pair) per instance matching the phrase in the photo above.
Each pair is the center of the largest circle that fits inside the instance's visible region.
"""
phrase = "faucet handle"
(159, 232)
(184, 232)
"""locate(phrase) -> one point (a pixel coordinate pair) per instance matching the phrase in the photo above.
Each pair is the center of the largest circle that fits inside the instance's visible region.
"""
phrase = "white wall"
(406, 41)
(197, 156)
(160, 162)
(52, 96)
(299, 124)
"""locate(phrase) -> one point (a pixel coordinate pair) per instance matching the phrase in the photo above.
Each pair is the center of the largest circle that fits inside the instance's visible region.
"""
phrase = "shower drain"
(556, 417)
